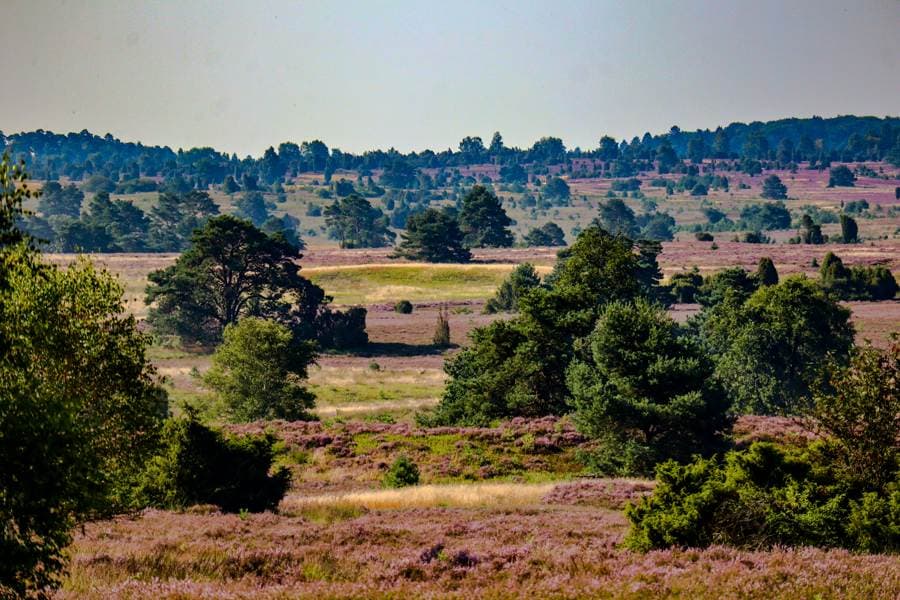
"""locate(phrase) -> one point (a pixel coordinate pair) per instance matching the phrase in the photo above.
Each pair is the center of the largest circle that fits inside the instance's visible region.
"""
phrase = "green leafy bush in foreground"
(843, 491)
(761, 497)
(201, 465)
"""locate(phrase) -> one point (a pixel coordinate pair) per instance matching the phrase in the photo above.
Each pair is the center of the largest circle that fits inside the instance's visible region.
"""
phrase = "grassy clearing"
(473, 495)
(416, 282)
(339, 387)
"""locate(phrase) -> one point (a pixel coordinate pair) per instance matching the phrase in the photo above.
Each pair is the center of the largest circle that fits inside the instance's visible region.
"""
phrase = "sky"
(242, 76)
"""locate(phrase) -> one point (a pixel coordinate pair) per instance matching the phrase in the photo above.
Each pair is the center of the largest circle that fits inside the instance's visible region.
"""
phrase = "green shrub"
(200, 465)
(257, 372)
(843, 491)
(403, 472)
(404, 307)
(758, 498)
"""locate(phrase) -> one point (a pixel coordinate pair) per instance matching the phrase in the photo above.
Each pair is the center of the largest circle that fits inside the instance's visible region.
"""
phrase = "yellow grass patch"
(471, 495)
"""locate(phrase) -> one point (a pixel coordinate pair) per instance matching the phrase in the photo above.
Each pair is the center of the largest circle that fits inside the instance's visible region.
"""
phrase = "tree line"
(133, 166)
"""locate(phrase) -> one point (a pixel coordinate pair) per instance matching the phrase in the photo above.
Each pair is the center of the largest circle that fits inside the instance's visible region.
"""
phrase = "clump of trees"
(769, 345)
(645, 390)
(517, 367)
(84, 428)
(858, 282)
(837, 492)
(355, 223)
(76, 390)
(548, 234)
(433, 236)
(233, 270)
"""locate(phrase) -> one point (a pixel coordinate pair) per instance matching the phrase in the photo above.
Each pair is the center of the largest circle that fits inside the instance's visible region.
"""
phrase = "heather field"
(500, 513)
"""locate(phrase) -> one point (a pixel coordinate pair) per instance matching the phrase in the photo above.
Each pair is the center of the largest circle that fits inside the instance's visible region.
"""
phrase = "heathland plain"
(500, 511)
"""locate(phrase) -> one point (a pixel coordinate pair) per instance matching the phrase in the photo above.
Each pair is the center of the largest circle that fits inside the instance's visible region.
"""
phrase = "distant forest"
(132, 167)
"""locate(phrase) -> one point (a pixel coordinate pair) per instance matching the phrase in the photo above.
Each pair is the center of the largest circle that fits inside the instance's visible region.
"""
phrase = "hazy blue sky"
(241, 76)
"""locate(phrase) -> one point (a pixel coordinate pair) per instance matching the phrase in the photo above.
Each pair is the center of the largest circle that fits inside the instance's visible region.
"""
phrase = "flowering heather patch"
(780, 430)
(341, 457)
(446, 553)
(604, 493)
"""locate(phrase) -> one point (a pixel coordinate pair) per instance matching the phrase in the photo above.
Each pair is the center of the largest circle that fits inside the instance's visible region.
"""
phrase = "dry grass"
(472, 495)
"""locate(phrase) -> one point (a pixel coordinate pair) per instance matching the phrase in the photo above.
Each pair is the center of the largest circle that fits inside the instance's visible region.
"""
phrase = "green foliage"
(252, 206)
(773, 188)
(404, 307)
(482, 220)
(684, 286)
(772, 347)
(58, 200)
(199, 465)
(556, 188)
(433, 236)
(645, 390)
(617, 218)
(858, 405)
(521, 280)
(357, 224)
(232, 270)
(764, 217)
(80, 407)
(125, 224)
(517, 367)
(841, 176)
(699, 189)
(849, 229)
(810, 231)
(733, 283)
(856, 283)
(403, 472)
(752, 499)
(766, 274)
(843, 492)
(659, 226)
(176, 216)
(286, 226)
(258, 369)
(548, 234)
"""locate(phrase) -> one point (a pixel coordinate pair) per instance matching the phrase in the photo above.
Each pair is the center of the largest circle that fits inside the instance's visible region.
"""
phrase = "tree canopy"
(355, 223)
(483, 221)
(231, 270)
(433, 236)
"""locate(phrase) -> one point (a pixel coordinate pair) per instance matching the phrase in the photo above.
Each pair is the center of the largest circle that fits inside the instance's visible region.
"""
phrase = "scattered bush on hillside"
(403, 472)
